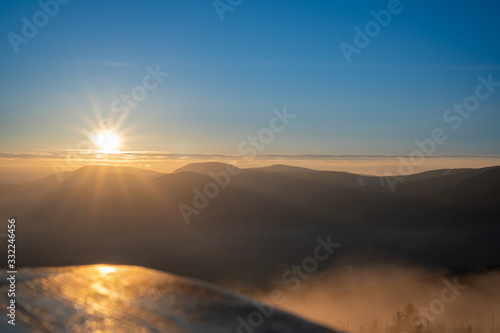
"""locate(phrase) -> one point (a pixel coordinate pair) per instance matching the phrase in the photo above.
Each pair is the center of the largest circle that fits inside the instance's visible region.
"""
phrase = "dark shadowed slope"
(135, 299)
(261, 223)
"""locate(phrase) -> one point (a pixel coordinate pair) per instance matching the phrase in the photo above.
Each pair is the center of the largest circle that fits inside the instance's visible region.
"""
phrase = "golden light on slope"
(108, 141)
(106, 269)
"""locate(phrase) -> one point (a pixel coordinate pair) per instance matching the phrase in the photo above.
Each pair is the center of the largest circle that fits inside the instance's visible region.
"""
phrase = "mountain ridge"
(261, 221)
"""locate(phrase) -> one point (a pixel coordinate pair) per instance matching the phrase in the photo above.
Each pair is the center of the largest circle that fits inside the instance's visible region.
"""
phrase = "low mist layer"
(368, 299)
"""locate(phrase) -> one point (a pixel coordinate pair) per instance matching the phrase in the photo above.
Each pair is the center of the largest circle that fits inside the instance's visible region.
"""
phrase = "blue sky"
(227, 76)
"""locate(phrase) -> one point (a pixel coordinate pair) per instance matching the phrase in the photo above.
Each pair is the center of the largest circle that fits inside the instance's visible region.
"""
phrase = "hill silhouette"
(204, 167)
(263, 221)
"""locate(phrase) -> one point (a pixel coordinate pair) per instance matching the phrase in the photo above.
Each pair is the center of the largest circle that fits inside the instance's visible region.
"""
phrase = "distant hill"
(283, 168)
(95, 171)
(259, 224)
(204, 168)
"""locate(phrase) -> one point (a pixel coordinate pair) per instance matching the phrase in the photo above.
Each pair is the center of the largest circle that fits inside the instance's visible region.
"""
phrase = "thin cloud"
(158, 155)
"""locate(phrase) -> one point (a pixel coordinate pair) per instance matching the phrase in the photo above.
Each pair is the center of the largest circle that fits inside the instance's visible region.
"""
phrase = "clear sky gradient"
(225, 77)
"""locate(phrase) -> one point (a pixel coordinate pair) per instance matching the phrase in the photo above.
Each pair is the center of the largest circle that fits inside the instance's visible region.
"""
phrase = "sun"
(108, 141)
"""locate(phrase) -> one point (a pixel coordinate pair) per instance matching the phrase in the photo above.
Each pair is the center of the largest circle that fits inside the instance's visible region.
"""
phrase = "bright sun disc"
(108, 141)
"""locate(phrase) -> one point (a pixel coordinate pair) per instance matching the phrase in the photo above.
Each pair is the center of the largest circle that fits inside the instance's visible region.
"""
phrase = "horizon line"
(129, 154)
